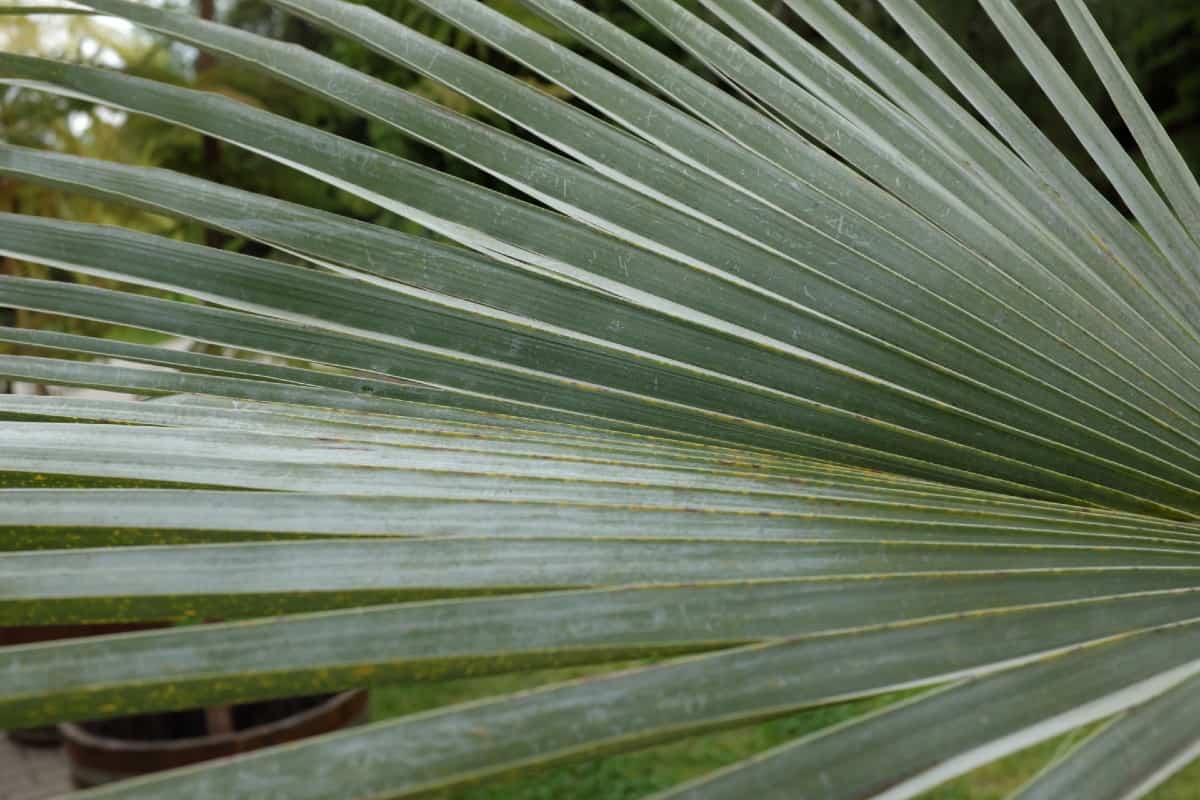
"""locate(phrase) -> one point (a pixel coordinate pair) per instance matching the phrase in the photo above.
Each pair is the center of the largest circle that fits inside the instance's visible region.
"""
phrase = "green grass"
(636, 775)
(620, 777)
(136, 335)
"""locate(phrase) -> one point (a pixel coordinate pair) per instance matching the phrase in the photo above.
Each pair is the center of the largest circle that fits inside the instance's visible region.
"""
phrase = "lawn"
(636, 775)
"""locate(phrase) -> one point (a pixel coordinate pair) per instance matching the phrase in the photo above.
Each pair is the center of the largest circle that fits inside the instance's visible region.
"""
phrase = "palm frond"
(802, 389)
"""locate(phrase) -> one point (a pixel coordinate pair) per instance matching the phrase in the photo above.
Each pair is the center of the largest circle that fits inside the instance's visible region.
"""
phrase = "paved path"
(31, 773)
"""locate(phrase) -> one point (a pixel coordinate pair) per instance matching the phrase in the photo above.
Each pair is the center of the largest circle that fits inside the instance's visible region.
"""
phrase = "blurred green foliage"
(1159, 41)
(252, 172)
(70, 125)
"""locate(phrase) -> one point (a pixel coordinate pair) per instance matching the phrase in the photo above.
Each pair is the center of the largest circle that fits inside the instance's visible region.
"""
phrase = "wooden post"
(211, 146)
(8, 269)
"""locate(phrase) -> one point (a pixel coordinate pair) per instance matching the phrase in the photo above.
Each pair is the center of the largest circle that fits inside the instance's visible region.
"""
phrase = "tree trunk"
(211, 146)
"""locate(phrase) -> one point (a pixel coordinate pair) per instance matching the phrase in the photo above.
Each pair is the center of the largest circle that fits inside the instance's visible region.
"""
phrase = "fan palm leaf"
(813, 387)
